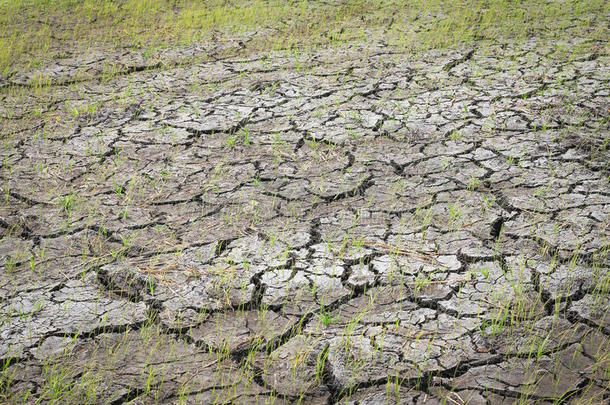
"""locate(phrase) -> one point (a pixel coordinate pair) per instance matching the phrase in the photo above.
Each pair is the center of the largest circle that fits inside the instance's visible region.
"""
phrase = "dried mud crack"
(355, 225)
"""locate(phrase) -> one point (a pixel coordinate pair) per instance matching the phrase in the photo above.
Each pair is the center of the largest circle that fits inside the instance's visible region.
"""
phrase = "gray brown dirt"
(354, 225)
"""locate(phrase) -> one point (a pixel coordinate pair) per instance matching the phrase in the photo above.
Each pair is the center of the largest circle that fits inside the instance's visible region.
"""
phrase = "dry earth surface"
(354, 225)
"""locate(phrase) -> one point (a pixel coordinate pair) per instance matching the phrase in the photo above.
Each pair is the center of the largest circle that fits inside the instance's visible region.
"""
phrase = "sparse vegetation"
(304, 201)
(37, 31)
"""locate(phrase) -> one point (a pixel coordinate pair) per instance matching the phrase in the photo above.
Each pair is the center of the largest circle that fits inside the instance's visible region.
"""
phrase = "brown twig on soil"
(420, 256)
(461, 401)
(417, 336)
(459, 280)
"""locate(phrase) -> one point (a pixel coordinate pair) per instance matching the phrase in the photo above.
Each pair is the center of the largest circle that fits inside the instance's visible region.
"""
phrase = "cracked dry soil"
(356, 225)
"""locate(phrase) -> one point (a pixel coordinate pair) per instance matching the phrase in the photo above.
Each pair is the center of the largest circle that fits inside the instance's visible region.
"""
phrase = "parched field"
(355, 222)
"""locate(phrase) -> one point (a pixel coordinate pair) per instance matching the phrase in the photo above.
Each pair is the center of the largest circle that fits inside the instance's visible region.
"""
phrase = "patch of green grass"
(36, 31)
